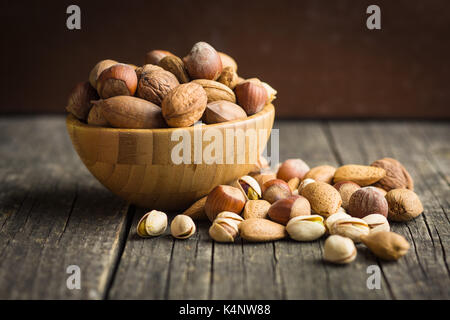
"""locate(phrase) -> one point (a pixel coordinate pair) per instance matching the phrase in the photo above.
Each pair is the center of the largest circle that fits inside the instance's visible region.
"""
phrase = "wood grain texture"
(138, 166)
(54, 213)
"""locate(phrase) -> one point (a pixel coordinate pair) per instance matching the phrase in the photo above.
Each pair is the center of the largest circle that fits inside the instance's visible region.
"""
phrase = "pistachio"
(231, 216)
(249, 187)
(256, 209)
(224, 229)
(338, 249)
(335, 217)
(306, 228)
(153, 223)
(182, 227)
(377, 222)
(352, 228)
(386, 245)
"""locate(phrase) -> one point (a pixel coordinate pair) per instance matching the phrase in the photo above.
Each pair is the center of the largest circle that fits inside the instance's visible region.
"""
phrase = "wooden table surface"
(53, 214)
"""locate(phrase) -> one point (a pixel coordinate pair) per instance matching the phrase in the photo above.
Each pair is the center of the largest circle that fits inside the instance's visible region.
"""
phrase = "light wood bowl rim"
(72, 120)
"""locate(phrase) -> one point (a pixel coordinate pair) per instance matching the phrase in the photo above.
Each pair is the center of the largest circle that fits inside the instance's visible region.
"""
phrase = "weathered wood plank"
(53, 214)
(423, 273)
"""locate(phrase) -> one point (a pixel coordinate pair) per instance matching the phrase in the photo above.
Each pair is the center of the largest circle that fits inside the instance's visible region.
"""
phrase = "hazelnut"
(79, 102)
(98, 69)
(397, 177)
(154, 86)
(227, 61)
(154, 56)
(271, 92)
(224, 198)
(256, 209)
(346, 189)
(251, 96)
(275, 189)
(176, 66)
(118, 80)
(263, 177)
(323, 173)
(182, 227)
(203, 62)
(283, 210)
(184, 105)
(222, 111)
(292, 168)
(403, 204)
(228, 77)
(366, 201)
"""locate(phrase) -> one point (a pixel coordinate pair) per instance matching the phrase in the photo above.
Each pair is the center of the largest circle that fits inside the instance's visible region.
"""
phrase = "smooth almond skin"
(224, 198)
(306, 228)
(386, 245)
(362, 175)
(324, 199)
(216, 91)
(203, 62)
(131, 113)
(292, 168)
(397, 177)
(182, 227)
(117, 80)
(340, 250)
(294, 183)
(98, 69)
(367, 201)
(256, 209)
(197, 210)
(404, 205)
(222, 111)
(261, 230)
(184, 105)
(323, 173)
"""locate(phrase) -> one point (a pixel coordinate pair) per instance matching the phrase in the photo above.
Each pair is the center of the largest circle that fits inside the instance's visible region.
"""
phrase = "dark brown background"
(319, 55)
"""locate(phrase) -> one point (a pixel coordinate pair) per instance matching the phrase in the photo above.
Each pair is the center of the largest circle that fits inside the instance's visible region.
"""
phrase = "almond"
(362, 175)
(259, 230)
(256, 209)
(323, 173)
(197, 210)
(324, 198)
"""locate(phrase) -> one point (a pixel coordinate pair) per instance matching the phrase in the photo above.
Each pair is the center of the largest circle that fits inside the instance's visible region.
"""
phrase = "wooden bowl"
(136, 164)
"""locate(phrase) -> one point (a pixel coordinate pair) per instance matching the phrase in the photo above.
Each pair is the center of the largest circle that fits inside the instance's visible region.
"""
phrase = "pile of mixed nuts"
(352, 204)
(168, 91)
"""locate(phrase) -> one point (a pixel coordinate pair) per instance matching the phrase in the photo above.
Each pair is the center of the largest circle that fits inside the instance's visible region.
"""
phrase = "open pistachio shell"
(224, 230)
(306, 228)
(340, 250)
(352, 228)
(249, 187)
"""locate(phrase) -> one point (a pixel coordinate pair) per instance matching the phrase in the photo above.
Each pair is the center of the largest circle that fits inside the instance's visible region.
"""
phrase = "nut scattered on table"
(367, 201)
(306, 228)
(386, 245)
(352, 228)
(224, 198)
(377, 222)
(324, 173)
(340, 250)
(182, 227)
(324, 199)
(404, 205)
(284, 210)
(261, 230)
(152, 224)
(362, 175)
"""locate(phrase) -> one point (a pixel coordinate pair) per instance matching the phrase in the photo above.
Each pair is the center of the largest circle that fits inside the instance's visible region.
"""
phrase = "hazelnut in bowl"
(137, 164)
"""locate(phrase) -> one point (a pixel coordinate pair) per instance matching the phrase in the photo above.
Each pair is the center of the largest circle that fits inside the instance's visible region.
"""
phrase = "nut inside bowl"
(147, 167)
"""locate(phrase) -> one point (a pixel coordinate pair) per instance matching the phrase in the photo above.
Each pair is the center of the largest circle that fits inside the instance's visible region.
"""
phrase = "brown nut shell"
(118, 80)
(203, 62)
(367, 201)
(216, 91)
(346, 189)
(397, 177)
(324, 199)
(98, 69)
(96, 118)
(154, 56)
(184, 105)
(197, 210)
(228, 77)
(256, 209)
(224, 198)
(403, 204)
(228, 61)
(292, 168)
(251, 96)
(275, 189)
(79, 103)
(176, 66)
(146, 68)
(154, 86)
(131, 112)
(261, 230)
(386, 245)
(362, 175)
(222, 111)
(283, 210)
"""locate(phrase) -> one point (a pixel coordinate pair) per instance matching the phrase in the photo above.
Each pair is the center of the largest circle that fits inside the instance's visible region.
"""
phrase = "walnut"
(155, 85)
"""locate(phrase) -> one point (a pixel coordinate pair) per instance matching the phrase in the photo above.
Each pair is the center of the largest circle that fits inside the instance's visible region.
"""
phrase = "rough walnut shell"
(146, 68)
(228, 77)
(396, 175)
(228, 61)
(154, 86)
(184, 105)
(216, 90)
(404, 205)
(176, 66)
